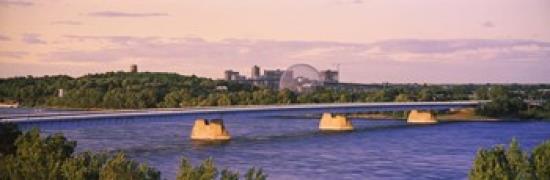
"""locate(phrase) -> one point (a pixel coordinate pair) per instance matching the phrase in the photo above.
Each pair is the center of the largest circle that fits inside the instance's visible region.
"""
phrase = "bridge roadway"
(228, 111)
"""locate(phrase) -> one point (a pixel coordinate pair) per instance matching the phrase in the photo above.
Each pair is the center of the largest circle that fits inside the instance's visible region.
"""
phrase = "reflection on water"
(295, 149)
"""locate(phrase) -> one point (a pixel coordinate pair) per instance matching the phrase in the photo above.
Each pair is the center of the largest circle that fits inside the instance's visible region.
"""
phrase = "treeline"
(29, 156)
(512, 163)
(122, 90)
(512, 103)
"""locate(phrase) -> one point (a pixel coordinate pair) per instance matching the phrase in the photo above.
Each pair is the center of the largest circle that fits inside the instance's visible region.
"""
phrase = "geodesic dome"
(300, 78)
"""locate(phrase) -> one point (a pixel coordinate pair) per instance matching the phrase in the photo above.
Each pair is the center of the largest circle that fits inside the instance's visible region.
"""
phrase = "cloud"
(13, 54)
(4, 38)
(116, 14)
(454, 50)
(33, 39)
(15, 3)
(356, 2)
(488, 24)
(72, 23)
(422, 60)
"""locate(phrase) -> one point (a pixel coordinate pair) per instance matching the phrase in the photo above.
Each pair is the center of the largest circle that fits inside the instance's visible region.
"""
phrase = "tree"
(52, 158)
(402, 98)
(207, 171)
(177, 98)
(503, 103)
(255, 174)
(224, 100)
(481, 93)
(229, 175)
(38, 158)
(518, 161)
(426, 94)
(491, 164)
(84, 166)
(8, 134)
(286, 96)
(512, 163)
(541, 160)
(119, 167)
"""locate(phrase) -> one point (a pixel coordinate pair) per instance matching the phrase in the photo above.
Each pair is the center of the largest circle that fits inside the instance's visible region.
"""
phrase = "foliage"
(541, 160)
(84, 166)
(518, 161)
(37, 158)
(119, 167)
(121, 90)
(502, 103)
(255, 174)
(207, 171)
(512, 163)
(491, 164)
(8, 135)
(52, 158)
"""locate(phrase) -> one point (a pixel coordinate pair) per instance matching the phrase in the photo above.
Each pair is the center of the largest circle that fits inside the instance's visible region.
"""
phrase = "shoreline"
(22, 115)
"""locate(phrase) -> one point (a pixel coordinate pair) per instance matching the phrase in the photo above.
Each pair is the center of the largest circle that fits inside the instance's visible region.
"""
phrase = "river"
(293, 148)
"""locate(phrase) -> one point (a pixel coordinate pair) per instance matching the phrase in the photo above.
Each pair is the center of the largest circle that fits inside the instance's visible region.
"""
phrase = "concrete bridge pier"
(211, 130)
(335, 123)
(421, 117)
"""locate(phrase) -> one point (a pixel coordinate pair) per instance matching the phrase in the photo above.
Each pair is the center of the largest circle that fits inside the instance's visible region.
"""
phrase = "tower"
(133, 68)
(255, 72)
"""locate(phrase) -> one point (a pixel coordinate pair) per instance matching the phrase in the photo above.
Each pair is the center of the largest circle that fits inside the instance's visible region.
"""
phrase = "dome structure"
(300, 78)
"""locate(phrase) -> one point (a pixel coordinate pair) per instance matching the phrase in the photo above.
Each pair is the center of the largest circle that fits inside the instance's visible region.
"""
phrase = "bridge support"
(421, 117)
(335, 123)
(212, 130)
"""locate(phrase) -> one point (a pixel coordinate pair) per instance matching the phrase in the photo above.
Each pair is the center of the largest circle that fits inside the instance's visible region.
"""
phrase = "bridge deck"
(210, 112)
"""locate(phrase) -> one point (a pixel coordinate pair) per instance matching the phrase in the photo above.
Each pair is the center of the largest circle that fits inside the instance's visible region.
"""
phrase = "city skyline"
(373, 41)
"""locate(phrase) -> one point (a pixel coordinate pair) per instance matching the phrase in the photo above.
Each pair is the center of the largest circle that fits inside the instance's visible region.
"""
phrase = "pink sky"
(432, 41)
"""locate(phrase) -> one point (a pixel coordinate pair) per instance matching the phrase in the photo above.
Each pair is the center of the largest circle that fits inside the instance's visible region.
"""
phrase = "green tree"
(255, 174)
(205, 171)
(229, 175)
(52, 158)
(119, 167)
(518, 161)
(481, 93)
(8, 134)
(498, 163)
(541, 160)
(402, 98)
(224, 100)
(426, 94)
(36, 158)
(286, 96)
(208, 171)
(503, 103)
(84, 166)
(491, 164)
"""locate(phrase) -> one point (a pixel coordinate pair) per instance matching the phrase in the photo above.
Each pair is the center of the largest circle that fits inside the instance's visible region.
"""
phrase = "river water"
(293, 148)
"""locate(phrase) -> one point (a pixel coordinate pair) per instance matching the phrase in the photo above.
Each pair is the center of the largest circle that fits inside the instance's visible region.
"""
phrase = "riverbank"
(453, 115)
(263, 110)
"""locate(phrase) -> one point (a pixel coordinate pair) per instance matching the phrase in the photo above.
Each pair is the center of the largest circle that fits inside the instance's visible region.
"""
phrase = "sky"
(369, 41)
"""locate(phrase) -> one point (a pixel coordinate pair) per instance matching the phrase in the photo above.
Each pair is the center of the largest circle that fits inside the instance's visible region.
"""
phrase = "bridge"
(209, 125)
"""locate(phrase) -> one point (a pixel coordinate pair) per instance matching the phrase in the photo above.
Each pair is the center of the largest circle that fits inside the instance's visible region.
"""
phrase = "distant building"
(221, 88)
(273, 74)
(255, 72)
(60, 93)
(231, 75)
(133, 68)
(270, 79)
(329, 76)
